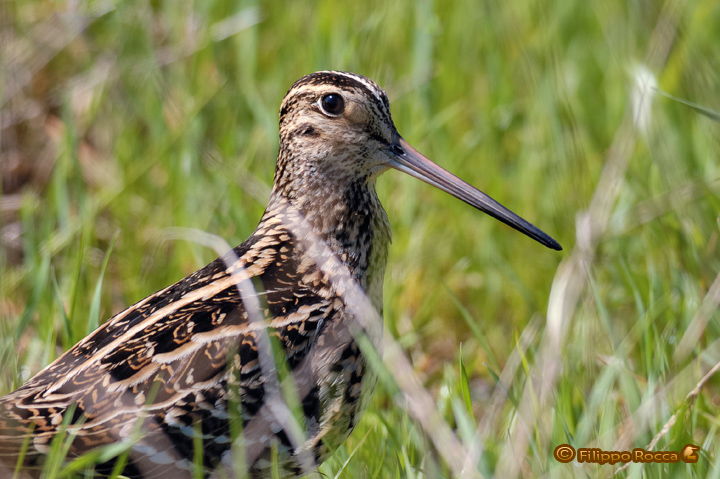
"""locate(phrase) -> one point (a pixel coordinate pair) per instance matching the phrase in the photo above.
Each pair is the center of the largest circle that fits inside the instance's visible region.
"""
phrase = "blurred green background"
(120, 120)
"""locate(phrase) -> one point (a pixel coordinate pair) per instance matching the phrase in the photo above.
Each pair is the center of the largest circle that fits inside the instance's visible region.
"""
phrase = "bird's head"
(336, 125)
(336, 129)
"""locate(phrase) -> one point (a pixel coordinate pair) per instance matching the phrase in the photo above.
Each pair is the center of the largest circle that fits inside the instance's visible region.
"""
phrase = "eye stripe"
(310, 88)
(343, 79)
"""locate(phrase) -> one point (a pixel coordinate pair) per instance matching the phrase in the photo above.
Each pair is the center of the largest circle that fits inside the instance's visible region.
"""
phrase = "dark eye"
(332, 104)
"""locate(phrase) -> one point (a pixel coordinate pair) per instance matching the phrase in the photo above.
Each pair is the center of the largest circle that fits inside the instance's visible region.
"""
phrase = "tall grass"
(121, 120)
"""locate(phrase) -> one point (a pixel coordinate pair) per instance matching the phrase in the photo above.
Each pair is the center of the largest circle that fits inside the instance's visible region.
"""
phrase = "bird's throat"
(348, 218)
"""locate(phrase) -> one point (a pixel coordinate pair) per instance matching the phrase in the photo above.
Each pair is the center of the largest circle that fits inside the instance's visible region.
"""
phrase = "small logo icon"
(688, 453)
(565, 453)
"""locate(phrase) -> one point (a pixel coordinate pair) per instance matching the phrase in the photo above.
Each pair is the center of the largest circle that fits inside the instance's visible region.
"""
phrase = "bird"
(189, 382)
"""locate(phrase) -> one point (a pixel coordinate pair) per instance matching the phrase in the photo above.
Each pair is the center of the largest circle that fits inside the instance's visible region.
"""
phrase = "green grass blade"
(712, 114)
(94, 316)
(39, 285)
(477, 332)
(464, 384)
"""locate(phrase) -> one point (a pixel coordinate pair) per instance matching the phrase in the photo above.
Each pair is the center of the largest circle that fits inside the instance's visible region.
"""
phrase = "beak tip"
(542, 238)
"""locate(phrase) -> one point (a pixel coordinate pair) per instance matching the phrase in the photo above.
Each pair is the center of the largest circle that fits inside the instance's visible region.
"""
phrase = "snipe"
(182, 376)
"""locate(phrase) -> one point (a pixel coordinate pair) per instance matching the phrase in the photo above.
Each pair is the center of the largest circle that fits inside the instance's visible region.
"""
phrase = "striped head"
(337, 135)
(336, 127)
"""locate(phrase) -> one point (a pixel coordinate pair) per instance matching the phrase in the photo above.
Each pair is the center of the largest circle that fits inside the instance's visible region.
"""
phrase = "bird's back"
(183, 369)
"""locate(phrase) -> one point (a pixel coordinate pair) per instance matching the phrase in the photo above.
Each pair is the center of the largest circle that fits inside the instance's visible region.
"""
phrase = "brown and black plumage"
(184, 367)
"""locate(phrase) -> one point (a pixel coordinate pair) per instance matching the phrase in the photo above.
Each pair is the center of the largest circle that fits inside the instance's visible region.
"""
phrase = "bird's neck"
(346, 215)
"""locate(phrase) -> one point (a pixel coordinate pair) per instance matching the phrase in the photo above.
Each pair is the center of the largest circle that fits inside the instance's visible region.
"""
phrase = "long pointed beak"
(408, 160)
